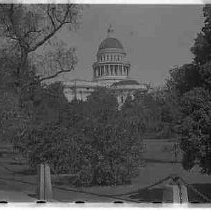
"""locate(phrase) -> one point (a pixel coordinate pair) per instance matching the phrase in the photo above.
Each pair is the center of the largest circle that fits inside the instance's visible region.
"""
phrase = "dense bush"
(93, 141)
(160, 113)
(195, 129)
(191, 84)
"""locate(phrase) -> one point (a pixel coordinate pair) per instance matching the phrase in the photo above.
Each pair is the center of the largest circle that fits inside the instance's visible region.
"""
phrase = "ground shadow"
(148, 195)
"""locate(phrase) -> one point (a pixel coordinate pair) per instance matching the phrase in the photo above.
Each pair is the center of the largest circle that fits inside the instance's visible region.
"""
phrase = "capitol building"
(111, 70)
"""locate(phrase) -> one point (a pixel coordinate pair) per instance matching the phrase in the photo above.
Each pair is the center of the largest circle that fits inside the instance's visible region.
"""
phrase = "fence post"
(180, 193)
(184, 193)
(176, 194)
(45, 187)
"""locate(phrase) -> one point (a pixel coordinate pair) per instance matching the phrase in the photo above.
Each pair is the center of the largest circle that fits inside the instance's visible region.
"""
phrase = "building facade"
(111, 70)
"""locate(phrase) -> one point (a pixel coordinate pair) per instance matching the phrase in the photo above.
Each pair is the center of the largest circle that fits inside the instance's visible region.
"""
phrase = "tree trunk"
(21, 74)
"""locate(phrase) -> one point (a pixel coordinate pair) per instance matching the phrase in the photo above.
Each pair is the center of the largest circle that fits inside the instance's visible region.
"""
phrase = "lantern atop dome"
(110, 31)
(110, 42)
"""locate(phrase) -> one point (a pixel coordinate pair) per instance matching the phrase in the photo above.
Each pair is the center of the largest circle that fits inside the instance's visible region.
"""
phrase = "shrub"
(102, 147)
(194, 129)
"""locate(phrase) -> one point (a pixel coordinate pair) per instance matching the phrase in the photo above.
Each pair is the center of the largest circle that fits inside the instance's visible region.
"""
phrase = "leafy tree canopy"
(191, 84)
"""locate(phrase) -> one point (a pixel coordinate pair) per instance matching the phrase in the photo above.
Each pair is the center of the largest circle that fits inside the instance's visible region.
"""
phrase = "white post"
(184, 193)
(176, 194)
(180, 193)
(45, 187)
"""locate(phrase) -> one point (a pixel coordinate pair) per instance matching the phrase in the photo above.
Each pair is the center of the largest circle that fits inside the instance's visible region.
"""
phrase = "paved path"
(14, 196)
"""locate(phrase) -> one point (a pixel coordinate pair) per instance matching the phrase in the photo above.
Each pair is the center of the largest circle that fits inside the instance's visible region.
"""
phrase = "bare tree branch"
(57, 73)
(46, 38)
(51, 19)
(29, 30)
(51, 34)
(32, 31)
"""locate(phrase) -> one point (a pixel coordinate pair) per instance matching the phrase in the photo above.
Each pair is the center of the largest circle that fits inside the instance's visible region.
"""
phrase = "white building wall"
(82, 89)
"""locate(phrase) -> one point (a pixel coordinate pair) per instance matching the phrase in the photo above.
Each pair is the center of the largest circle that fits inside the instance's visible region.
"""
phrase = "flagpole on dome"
(110, 31)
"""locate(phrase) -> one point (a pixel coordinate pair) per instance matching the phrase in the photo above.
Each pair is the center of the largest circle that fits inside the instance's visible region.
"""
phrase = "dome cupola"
(112, 65)
(110, 42)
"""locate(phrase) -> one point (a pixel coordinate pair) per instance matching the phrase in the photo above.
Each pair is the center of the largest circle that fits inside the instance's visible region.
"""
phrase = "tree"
(102, 105)
(93, 141)
(12, 116)
(29, 27)
(205, 72)
(191, 85)
(48, 103)
(24, 29)
(195, 129)
(184, 78)
(159, 111)
(202, 45)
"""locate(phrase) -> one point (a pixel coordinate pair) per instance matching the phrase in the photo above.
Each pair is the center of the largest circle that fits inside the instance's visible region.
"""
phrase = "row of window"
(114, 70)
(111, 67)
(110, 57)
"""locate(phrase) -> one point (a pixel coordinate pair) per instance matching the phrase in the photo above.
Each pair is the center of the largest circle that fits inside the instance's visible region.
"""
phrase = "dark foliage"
(191, 83)
(195, 129)
(93, 141)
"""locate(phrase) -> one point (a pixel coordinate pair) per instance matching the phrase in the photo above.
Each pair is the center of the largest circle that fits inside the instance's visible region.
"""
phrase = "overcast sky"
(156, 38)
